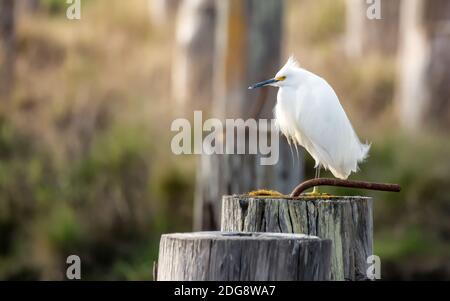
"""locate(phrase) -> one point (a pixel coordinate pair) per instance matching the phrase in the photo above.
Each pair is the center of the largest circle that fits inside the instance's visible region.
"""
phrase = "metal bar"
(344, 183)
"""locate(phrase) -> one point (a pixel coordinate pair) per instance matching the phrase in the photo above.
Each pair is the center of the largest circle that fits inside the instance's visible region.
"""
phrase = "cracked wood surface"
(347, 221)
(231, 256)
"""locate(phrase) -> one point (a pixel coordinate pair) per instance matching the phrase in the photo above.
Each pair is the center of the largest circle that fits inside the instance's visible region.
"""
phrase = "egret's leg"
(317, 172)
(316, 188)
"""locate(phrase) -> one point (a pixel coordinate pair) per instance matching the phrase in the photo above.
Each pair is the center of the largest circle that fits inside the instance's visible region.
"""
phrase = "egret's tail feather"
(365, 147)
(346, 167)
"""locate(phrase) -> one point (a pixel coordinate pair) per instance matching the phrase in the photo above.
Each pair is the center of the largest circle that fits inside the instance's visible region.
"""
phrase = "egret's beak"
(264, 83)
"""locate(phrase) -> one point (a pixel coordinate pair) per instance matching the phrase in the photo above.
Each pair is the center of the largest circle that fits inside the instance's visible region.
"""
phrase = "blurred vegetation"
(84, 161)
(54, 6)
(83, 167)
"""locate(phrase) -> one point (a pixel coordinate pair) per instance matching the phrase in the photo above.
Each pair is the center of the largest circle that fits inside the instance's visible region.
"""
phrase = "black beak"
(264, 83)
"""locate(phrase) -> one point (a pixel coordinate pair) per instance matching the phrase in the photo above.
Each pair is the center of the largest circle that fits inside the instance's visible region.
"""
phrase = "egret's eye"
(280, 78)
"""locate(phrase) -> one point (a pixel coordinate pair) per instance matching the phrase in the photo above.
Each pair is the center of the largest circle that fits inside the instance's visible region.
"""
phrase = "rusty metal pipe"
(344, 183)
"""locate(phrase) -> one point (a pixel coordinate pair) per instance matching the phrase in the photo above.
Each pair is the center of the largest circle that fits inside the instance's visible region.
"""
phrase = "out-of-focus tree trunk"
(162, 11)
(7, 53)
(424, 89)
(365, 35)
(192, 69)
(248, 49)
(29, 6)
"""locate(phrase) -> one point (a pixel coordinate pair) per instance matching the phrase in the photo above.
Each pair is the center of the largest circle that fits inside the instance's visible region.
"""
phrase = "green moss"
(265, 192)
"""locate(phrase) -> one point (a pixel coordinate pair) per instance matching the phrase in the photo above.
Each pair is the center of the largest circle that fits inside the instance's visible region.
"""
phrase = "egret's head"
(284, 77)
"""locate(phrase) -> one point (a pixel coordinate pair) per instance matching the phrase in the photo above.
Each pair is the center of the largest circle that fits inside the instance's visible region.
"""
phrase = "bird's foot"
(315, 193)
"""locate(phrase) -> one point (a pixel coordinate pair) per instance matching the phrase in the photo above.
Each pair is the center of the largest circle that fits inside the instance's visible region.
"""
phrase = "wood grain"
(347, 221)
(232, 256)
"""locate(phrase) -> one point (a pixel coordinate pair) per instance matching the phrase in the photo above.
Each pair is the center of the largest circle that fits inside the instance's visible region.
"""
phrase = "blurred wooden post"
(424, 90)
(220, 256)
(28, 6)
(192, 69)
(162, 11)
(7, 48)
(347, 221)
(248, 49)
(364, 35)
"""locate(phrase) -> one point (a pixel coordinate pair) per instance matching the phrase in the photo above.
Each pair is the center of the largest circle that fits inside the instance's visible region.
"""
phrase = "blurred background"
(86, 107)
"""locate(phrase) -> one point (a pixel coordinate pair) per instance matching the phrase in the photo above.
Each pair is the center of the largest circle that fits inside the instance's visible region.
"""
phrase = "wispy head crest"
(292, 62)
(290, 66)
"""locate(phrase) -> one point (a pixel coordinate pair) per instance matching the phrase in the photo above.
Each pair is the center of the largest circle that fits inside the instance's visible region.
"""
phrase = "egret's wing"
(326, 128)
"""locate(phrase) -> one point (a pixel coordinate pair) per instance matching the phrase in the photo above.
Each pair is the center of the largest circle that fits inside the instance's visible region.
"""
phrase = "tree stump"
(242, 256)
(347, 221)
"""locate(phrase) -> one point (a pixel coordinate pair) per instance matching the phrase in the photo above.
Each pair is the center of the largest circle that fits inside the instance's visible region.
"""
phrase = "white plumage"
(308, 113)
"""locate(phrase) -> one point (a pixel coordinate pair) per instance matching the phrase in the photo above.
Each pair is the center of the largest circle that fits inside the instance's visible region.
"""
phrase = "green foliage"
(397, 246)
(23, 181)
(98, 206)
(63, 228)
(139, 267)
(175, 191)
(55, 6)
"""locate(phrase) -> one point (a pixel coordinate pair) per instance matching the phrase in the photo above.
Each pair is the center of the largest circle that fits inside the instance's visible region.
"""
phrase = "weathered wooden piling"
(347, 221)
(236, 256)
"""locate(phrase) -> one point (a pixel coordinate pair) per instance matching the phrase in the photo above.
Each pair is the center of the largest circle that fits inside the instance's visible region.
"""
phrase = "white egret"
(308, 113)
